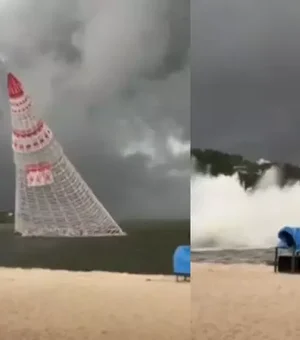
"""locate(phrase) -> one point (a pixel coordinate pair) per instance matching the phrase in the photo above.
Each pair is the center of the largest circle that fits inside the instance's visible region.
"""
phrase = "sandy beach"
(59, 305)
(239, 302)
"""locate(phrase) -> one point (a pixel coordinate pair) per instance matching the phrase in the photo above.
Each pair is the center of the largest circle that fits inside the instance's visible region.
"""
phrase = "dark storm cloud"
(246, 77)
(112, 80)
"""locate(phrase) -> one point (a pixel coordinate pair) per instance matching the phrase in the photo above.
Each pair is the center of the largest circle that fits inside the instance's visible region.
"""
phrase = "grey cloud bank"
(112, 80)
(246, 76)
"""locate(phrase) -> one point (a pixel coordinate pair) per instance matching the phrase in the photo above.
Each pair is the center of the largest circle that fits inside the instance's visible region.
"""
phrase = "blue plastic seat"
(289, 237)
(182, 262)
(289, 243)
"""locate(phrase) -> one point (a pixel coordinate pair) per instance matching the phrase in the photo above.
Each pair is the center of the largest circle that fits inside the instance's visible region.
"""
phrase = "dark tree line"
(6, 217)
(215, 163)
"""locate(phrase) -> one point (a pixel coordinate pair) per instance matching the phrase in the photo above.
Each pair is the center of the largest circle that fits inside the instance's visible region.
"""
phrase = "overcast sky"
(246, 77)
(112, 80)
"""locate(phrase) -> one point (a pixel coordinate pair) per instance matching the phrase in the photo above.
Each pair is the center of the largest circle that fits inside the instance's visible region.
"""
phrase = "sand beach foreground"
(239, 302)
(59, 305)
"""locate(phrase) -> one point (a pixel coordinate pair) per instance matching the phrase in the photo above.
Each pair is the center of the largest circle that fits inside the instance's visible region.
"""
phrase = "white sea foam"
(224, 215)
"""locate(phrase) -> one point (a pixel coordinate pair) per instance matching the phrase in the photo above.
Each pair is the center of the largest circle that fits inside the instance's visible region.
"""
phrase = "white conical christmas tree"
(51, 197)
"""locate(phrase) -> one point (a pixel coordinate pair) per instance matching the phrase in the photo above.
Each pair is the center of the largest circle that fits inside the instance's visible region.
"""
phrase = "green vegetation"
(216, 163)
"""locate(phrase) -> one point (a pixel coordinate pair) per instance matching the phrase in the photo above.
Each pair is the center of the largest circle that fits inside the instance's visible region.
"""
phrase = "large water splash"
(224, 215)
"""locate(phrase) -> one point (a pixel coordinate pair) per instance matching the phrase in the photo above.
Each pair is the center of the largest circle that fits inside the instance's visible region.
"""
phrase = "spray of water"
(224, 215)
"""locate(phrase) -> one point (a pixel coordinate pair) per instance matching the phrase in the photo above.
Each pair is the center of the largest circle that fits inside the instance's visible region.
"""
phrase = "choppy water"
(233, 256)
(135, 253)
(223, 214)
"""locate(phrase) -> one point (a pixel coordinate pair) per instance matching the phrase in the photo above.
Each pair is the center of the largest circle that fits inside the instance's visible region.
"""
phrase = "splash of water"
(224, 215)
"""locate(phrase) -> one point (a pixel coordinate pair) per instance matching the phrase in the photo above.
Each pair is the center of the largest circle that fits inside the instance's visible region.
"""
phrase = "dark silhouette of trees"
(216, 162)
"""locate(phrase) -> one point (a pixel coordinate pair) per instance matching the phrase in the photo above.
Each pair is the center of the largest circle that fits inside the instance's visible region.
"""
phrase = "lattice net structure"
(52, 199)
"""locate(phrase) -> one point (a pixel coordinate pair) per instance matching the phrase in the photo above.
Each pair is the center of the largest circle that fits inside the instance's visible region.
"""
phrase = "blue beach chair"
(182, 262)
(288, 248)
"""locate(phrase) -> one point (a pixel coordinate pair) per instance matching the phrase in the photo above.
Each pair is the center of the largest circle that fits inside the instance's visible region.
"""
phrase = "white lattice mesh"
(65, 208)
(51, 197)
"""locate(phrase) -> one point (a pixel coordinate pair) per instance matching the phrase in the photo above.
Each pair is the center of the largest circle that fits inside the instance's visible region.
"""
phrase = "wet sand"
(231, 256)
(59, 305)
(243, 301)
